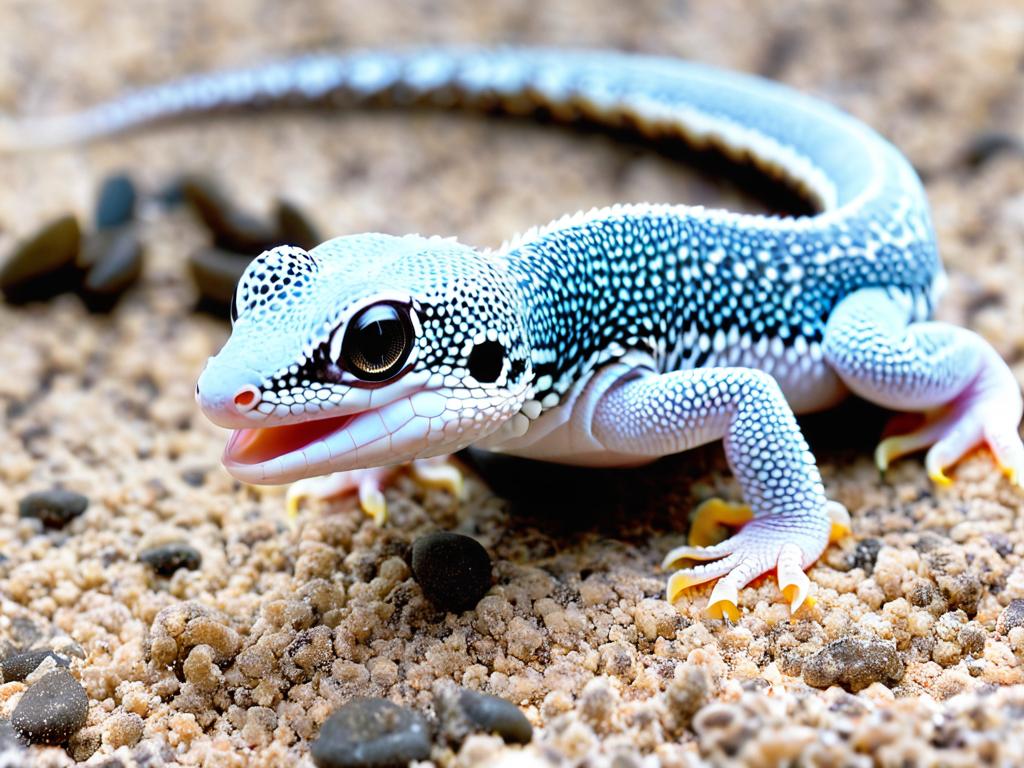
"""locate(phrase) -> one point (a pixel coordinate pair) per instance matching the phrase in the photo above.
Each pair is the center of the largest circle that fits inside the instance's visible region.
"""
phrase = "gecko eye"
(377, 342)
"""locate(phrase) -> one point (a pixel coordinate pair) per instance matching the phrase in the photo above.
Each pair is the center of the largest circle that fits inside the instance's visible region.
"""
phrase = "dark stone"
(371, 733)
(454, 571)
(215, 273)
(21, 665)
(114, 258)
(464, 712)
(45, 264)
(167, 558)
(985, 146)
(1011, 616)
(232, 229)
(963, 592)
(55, 508)
(52, 709)
(194, 477)
(116, 203)
(854, 664)
(294, 228)
(865, 554)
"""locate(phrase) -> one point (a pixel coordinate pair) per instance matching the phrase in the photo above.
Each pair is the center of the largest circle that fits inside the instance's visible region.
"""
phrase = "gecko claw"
(712, 519)
(724, 601)
(440, 472)
(842, 525)
(793, 582)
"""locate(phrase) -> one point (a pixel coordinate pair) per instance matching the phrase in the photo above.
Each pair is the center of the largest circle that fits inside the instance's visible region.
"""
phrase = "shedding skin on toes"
(711, 521)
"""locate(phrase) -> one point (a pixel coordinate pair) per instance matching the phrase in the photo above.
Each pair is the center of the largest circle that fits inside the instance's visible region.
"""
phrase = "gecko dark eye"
(377, 342)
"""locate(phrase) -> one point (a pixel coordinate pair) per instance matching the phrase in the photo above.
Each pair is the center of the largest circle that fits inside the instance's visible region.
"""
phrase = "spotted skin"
(613, 336)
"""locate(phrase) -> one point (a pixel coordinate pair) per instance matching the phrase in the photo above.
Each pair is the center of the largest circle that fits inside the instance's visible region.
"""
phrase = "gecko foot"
(950, 433)
(369, 484)
(763, 544)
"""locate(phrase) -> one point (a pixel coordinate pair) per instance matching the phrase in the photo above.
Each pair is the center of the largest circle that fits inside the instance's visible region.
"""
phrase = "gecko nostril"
(247, 398)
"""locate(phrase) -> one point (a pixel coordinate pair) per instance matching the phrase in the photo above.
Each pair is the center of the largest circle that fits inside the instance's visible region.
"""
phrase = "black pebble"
(56, 508)
(52, 709)
(371, 733)
(116, 203)
(45, 264)
(167, 558)
(987, 145)
(454, 571)
(865, 554)
(215, 273)
(114, 262)
(21, 665)
(463, 712)
(293, 226)
(232, 229)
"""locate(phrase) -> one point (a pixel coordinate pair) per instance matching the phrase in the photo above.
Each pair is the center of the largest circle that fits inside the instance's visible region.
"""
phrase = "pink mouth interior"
(254, 446)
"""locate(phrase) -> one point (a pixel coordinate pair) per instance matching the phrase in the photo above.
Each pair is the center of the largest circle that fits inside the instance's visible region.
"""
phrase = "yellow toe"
(723, 609)
(372, 502)
(709, 522)
(679, 582)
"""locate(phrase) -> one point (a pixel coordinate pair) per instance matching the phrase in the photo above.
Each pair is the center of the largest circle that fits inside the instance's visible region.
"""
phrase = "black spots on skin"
(486, 361)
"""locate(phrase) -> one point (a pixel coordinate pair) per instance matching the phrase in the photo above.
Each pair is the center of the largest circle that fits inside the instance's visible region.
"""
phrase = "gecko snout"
(227, 394)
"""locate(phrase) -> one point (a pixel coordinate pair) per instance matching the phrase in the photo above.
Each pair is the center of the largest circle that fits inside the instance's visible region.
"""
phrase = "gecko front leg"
(658, 414)
(368, 484)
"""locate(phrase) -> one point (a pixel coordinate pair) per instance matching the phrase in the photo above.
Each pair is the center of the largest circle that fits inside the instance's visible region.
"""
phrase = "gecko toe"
(712, 519)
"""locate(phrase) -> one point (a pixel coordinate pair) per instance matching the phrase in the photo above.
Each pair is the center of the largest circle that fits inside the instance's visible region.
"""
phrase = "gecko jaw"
(371, 438)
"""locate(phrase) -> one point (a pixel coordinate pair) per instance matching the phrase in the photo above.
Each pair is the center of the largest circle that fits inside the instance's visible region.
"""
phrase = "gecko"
(610, 337)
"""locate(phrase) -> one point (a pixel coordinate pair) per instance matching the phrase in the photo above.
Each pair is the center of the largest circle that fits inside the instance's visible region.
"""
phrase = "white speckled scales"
(613, 336)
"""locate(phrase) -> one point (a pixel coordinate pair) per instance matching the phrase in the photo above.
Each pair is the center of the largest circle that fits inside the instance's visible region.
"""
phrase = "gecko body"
(611, 337)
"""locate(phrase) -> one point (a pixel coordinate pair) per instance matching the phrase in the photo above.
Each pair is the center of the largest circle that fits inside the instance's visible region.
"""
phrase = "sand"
(240, 661)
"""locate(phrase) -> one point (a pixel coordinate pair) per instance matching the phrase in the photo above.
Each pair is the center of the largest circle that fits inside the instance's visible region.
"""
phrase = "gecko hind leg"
(369, 484)
(967, 393)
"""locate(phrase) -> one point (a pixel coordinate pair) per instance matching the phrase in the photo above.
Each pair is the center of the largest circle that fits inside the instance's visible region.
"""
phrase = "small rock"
(293, 226)
(167, 558)
(371, 733)
(232, 229)
(215, 273)
(50, 711)
(463, 712)
(44, 265)
(854, 664)
(1011, 616)
(115, 265)
(986, 145)
(21, 665)
(116, 203)
(454, 571)
(55, 508)
(865, 554)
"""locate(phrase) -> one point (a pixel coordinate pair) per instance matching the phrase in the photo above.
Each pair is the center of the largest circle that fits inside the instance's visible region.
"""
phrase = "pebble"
(854, 664)
(232, 229)
(51, 710)
(371, 733)
(463, 712)
(45, 264)
(986, 145)
(454, 571)
(1011, 616)
(116, 203)
(167, 558)
(215, 273)
(114, 258)
(18, 666)
(55, 508)
(865, 554)
(293, 226)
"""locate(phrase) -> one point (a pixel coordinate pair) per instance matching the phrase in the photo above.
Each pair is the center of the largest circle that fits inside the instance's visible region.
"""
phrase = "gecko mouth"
(247, 447)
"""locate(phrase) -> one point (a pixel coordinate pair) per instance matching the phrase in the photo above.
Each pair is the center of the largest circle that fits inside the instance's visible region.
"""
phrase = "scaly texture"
(610, 337)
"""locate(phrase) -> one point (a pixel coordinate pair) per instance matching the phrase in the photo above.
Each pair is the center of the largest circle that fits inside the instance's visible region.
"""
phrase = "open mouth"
(255, 446)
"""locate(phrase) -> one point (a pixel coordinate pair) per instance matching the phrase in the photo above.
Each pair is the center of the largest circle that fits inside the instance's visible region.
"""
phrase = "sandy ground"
(240, 661)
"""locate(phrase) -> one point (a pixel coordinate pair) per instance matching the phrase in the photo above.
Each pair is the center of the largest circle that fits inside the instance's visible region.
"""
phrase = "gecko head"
(365, 351)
